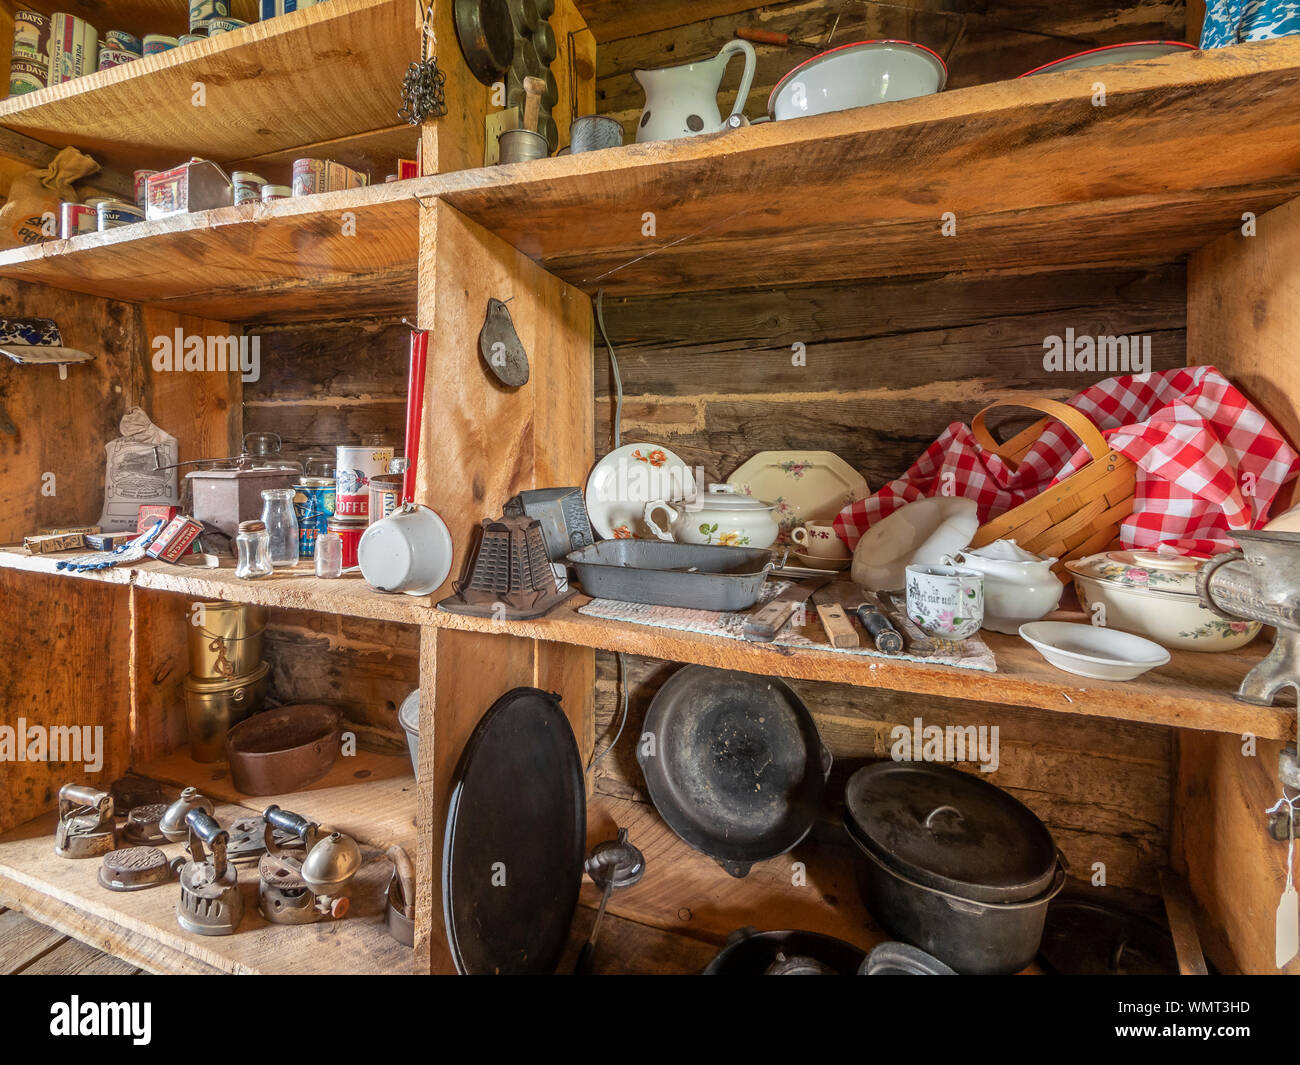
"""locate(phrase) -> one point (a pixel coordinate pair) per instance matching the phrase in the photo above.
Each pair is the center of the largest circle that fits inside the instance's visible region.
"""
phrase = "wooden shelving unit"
(1038, 178)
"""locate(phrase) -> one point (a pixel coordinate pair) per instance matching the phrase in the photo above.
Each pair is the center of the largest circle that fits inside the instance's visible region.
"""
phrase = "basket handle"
(1077, 422)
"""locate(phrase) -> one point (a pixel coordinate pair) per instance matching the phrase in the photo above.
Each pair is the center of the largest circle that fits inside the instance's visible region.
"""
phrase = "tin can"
(121, 41)
(270, 193)
(142, 187)
(75, 218)
(27, 75)
(248, 186)
(307, 175)
(113, 215)
(176, 539)
(349, 532)
(158, 42)
(224, 25)
(115, 57)
(203, 11)
(385, 495)
(313, 504)
(353, 470)
(191, 38)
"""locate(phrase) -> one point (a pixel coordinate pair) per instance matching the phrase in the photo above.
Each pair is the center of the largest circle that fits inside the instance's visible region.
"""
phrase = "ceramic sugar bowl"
(1019, 586)
(722, 515)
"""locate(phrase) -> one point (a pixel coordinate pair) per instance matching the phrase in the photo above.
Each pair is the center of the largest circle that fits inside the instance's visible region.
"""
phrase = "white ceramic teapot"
(723, 515)
(683, 101)
(1019, 586)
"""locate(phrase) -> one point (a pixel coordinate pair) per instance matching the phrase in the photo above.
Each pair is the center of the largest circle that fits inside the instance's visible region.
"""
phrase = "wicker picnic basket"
(1075, 517)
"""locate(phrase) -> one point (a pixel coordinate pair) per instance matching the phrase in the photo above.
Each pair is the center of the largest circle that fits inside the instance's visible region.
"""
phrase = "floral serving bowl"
(1149, 595)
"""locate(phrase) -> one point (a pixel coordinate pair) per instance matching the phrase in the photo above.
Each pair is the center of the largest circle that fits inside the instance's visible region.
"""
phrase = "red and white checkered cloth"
(1208, 462)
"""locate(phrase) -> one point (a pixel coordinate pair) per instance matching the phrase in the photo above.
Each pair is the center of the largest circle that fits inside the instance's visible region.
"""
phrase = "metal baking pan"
(668, 574)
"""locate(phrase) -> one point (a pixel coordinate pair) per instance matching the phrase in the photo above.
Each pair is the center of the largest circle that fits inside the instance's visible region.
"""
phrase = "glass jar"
(254, 548)
(329, 555)
(281, 525)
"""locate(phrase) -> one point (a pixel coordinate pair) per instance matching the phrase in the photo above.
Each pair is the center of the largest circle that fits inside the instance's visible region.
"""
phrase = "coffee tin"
(353, 470)
(248, 186)
(159, 42)
(76, 218)
(385, 495)
(121, 41)
(313, 504)
(113, 215)
(349, 532)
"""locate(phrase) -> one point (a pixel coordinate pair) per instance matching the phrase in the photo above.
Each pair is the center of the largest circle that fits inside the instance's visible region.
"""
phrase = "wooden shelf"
(140, 926)
(1194, 691)
(336, 254)
(1036, 176)
(325, 73)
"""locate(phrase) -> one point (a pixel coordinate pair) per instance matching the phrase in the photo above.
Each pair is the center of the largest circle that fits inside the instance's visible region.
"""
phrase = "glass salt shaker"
(254, 547)
(329, 555)
(281, 525)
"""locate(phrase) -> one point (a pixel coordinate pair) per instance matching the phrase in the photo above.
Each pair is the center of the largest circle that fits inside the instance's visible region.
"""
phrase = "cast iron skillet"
(516, 838)
(736, 766)
(487, 37)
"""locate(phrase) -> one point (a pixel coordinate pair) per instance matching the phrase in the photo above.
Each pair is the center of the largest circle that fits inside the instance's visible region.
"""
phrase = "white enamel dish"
(1091, 651)
(409, 551)
(1112, 53)
(803, 486)
(855, 75)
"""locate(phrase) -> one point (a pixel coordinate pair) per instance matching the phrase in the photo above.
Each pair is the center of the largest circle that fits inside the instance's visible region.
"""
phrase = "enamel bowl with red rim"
(1112, 53)
(854, 75)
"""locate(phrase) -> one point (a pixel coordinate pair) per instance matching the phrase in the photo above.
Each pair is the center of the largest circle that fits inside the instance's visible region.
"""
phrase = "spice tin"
(198, 185)
(248, 186)
(176, 539)
(385, 495)
(203, 11)
(121, 41)
(142, 187)
(349, 532)
(353, 470)
(75, 218)
(115, 57)
(115, 214)
(159, 42)
(313, 503)
(275, 192)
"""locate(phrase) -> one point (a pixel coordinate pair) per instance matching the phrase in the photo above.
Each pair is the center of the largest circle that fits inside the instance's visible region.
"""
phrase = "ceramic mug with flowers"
(945, 602)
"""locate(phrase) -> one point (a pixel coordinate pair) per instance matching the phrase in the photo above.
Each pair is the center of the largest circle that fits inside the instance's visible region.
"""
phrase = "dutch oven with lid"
(952, 864)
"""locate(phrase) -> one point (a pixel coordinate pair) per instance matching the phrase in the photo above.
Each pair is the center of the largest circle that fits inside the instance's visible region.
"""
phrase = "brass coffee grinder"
(86, 826)
(301, 890)
(211, 904)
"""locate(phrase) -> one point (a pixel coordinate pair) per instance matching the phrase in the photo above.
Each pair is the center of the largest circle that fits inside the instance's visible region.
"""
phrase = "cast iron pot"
(970, 936)
(752, 953)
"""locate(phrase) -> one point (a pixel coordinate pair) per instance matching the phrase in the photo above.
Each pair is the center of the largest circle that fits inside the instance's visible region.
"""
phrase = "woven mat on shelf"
(969, 654)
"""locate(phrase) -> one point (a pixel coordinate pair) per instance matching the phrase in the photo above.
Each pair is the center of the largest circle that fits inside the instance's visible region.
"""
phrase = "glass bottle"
(329, 555)
(281, 525)
(254, 547)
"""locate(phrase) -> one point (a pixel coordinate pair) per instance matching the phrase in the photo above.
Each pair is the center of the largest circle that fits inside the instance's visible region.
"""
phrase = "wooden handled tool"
(872, 614)
(534, 89)
(756, 36)
(839, 629)
(763, 625)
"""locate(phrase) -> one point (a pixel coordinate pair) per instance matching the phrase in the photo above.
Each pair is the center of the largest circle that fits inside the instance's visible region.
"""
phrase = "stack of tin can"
(227, 677)
(314, 505)
(355, 468)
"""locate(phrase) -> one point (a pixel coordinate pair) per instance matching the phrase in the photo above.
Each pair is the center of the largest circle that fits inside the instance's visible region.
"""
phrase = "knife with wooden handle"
(763, 625)
(835, 620)
(871, 612)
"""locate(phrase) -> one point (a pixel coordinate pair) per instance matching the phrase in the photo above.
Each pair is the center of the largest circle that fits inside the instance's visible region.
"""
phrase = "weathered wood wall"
(982, 40)
(889, 365)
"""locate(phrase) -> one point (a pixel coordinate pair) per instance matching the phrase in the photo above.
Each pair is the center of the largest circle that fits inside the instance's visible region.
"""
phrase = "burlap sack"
(34, 199)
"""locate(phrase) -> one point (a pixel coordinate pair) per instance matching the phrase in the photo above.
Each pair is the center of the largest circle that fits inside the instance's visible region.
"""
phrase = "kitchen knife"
(839, 629)
(763, 625)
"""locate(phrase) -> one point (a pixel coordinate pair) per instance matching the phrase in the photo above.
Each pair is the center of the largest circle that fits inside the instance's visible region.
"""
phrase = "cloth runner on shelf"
(1208, 462)
(972, 653)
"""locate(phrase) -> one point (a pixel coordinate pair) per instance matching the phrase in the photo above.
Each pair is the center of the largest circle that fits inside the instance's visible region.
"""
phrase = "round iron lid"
(951, 831)
(516, 839)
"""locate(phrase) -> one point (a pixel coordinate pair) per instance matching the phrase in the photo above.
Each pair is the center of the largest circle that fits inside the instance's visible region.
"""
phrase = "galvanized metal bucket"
(225, 640)
(212, 707)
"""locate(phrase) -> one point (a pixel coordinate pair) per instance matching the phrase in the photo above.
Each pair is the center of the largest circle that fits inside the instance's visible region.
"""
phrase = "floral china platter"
(624, 481)
(803, 486)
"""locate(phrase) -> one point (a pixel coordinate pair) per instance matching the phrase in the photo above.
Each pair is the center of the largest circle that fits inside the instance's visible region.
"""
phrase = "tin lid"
(315, 482)
(248, 176)
(252, 526)
(347, 523)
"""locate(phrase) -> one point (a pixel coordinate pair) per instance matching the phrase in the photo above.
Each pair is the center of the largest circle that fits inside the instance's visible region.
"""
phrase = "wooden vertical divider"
(482, 442)
(1243, 310)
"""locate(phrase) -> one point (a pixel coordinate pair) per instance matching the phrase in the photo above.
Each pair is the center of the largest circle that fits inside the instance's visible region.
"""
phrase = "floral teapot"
(1019, 586)
(683, 101)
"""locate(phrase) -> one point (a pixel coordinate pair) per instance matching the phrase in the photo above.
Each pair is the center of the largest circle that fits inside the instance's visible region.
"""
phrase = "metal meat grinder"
(211, 904)
(301, 890)
(86, 826)
(1260, 582)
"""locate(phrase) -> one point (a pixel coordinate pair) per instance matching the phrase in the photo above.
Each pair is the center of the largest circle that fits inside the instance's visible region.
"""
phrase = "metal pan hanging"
(487, 37)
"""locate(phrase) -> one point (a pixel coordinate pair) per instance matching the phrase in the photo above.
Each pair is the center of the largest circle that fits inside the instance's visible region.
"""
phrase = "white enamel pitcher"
(683, 101)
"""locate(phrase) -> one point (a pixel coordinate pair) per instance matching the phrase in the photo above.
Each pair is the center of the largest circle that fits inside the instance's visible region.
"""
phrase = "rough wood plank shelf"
(1034, 174)
(333, 254)
(1194, 691)
(345, 58)
(141, 927)
(299, 589)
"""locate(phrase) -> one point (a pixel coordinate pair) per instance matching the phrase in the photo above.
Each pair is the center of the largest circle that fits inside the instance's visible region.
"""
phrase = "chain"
(424, 86)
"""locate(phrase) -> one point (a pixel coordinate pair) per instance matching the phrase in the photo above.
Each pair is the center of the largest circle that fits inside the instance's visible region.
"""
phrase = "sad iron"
(211, 904)
(86, 826)
(302, 890)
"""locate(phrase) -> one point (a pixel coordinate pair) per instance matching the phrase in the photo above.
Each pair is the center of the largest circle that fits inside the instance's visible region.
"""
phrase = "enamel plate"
(803, 485)
(625, 480)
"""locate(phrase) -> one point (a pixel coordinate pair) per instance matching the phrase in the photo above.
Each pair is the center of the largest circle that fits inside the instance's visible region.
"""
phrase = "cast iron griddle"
(516, 838)
(737, 768)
